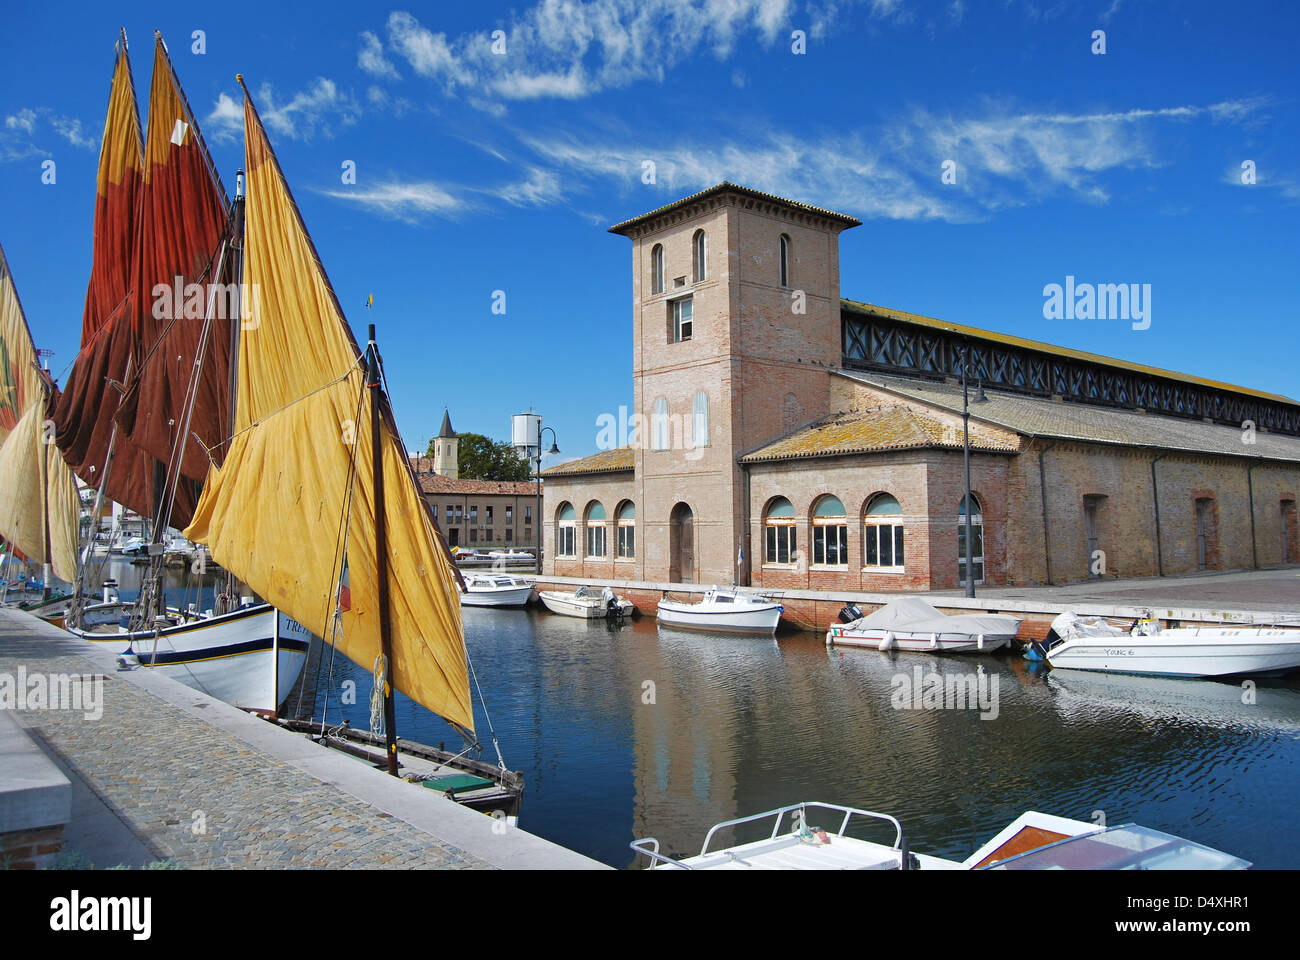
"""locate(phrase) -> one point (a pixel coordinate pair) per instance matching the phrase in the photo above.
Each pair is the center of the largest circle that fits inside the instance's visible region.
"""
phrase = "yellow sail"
(36, 487)
(274, 515)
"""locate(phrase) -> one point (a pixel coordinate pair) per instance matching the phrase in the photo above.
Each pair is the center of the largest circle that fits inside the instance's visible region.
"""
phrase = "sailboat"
(315, 505)
(147, 403)
(39, 506)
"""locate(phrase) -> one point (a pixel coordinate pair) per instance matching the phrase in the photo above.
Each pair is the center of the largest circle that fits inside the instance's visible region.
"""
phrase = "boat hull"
(917, 642)
(686, 616)
(566, 605)
(250, 658)
(1183, 653)
(497, 597)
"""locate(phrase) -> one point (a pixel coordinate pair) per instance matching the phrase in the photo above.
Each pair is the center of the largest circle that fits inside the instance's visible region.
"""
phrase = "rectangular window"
(977, 539)
(473, 534)
(528, 514)
(564, 546)
(433, 509)
(683, 312)
(780, 546)
(473, 514)
(596, 540)
(510, 535)
(509, 511)
(882, 545)
(489, 536)
(830, 545)
(626, 541)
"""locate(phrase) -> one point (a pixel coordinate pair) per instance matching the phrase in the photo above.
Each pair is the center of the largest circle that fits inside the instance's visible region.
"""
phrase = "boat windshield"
(1128, 847)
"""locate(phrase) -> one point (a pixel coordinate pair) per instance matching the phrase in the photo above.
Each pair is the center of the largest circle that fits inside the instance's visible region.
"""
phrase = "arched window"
(699, 256)
(784, 260)
(596, 530)
(830, 534)
(700, 420)
(657, 268)
(977, 540)
(659, 425)
(882, 534)
(626, 518)
(566, 523)
(779, 532)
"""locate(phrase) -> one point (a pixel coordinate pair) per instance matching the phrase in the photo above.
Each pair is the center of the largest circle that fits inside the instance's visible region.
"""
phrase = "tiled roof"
(854, 306)
(618, 460)
(727, 187)
(431, 482)
(1034, 416)
(870, 431)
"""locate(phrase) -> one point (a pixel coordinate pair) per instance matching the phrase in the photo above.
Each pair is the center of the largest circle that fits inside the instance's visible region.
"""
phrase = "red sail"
(84, 412)
(183, 222)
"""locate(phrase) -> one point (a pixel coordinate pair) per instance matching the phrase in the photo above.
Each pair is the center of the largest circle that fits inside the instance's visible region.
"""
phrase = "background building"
(791, 438)
(475, 513)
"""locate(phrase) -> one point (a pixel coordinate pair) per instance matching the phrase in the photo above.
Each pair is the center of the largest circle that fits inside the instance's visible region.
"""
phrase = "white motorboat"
(587, 603)
(511, 556)
(1034, 841)
(723, 611)
(912, 623)
(250, 657)
(496, 590)
(1078, 643)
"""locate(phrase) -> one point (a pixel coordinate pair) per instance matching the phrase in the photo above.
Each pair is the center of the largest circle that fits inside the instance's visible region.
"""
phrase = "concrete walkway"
(170, 773)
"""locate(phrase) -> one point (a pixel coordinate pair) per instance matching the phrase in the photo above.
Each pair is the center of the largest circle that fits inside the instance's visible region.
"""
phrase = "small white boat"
(587, 603)
(912, 623)
(495, 590)
(250, 657)
(1078, 643)
(1034, 841)
(511, 556)
(723, 611)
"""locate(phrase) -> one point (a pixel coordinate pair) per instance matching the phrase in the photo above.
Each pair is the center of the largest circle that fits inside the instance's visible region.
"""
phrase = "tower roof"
(727, 187)
(446, 433)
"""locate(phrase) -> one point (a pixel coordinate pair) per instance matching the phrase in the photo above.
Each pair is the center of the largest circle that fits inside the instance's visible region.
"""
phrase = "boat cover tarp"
(915, 615)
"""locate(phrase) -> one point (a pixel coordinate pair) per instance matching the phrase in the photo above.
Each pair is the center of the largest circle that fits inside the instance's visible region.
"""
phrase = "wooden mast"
(381, 549)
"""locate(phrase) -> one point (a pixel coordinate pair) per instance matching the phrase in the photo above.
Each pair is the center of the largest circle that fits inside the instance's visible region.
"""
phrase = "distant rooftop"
(618, 460)
(728, 187)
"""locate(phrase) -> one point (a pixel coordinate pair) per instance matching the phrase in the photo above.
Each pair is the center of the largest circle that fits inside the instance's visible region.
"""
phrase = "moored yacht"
(496, 590)
(724, 611)
(1077, 643)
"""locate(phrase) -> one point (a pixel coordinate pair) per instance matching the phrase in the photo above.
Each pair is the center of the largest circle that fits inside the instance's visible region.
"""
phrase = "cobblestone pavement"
(204, 798)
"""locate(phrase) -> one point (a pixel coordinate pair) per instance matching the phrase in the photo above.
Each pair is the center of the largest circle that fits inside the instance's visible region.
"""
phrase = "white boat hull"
(239, 657)
(593, 608)
(1184, 652)
(749, 619)
(497, 597)
(917, 642)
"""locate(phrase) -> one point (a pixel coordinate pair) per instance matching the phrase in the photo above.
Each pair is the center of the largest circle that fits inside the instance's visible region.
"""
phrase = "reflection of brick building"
(475, 513)
(792, 438)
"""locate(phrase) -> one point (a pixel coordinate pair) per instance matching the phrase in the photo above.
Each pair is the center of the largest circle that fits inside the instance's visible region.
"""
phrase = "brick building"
(474, 513)
(785, 437)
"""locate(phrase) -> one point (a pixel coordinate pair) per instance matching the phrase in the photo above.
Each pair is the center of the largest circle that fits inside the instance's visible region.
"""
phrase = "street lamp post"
(554, 449)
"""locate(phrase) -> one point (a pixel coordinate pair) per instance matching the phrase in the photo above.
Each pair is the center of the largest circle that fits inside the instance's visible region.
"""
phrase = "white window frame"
(700, 256)
(679, 330)
(977, 531)
(657, 269)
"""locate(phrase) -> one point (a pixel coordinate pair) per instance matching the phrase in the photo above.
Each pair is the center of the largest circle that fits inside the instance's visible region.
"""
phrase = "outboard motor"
(612, 609)
(850, 612)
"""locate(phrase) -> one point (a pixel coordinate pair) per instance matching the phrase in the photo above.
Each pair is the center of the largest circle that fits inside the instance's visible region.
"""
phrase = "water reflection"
(642, 730)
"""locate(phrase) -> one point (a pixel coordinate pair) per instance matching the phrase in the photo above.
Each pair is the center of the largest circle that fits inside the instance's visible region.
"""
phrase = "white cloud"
(24, 120)
(371, 59)
(316, 110)
(409, 202)
(22, 130)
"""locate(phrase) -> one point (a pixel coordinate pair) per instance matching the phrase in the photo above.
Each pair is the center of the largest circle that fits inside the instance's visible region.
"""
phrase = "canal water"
(645, 731)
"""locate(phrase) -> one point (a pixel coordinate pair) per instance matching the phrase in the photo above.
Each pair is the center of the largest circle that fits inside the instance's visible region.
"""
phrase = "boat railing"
(800, 819)
(650, 847)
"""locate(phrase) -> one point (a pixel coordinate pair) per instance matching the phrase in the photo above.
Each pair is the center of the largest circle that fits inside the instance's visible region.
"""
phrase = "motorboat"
(723, 611)
(912, 623)
(511, 556)
(587, 603)
(496, 590)
(1033, 841)
(1083, 643)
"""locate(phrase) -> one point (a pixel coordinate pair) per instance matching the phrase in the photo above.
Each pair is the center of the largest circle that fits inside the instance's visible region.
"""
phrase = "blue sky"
(480, 171)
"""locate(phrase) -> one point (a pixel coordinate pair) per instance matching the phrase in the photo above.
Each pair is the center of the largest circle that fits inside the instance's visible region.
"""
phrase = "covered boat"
(912, 623)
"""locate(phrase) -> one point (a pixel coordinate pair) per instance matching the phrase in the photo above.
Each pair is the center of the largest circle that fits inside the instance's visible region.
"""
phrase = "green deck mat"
(460, 781)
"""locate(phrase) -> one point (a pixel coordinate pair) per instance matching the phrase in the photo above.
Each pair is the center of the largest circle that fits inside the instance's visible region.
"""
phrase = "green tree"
(482, 458)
